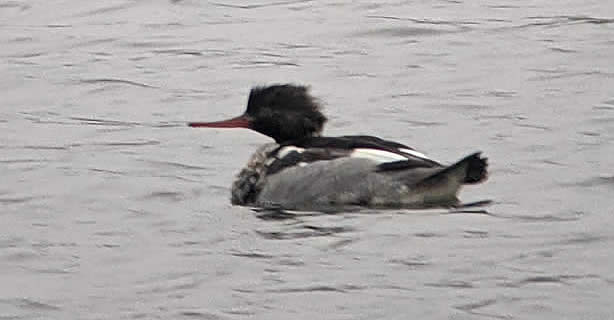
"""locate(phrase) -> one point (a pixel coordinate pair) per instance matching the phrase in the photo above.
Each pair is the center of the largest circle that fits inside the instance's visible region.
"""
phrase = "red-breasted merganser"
(303, 170)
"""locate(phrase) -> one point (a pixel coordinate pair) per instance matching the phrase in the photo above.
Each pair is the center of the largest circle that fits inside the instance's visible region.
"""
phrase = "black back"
(328, 148)
(285, 112)
(348, 142)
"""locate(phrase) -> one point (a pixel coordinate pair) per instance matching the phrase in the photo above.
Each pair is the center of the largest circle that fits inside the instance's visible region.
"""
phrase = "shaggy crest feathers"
(285, 112)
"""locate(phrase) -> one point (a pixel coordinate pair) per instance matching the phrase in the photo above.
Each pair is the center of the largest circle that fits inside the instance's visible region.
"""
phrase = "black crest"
(285, 112)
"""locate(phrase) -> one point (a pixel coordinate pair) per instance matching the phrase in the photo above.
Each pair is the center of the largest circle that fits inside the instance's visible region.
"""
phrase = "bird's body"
(305, 171)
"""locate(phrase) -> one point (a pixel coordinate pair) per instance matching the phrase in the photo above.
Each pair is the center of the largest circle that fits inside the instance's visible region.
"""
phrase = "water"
(112, 209)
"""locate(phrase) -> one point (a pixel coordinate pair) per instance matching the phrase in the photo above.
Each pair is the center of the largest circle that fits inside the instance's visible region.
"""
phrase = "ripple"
(428, 235)
(29, 304)
(290, 262)
(107, 171)
(127, 143)
(561, 21)
(311, 231)
(476, 305)
(476, 234)
(606, 105)
(19, 161)
(532, 126)
(549, 279)
(341, 243)
(27, 55)
(168, 285)
(561, 217)
(19, 255)
(165, 195)
(502, 93)
(503, 6)
(416, 123)
(403, 32)
(47, 244)
(275, 215)
(16, 200)
(554, 20)
(427, 21)
(583, 239)
(240, 312)
(465, 106)
(177, 165)
(457, 284)
(180, 52)
(103, 122)
(56, 270)
(11, 242)
(562, 50)
(116, 81)
(265, 63)
(473, 308)
(99, 11)
(260, 5)
(252, 255)
(14, 4)
(201, 315)
(570, 74)
(599, 181)
(42, 147)
(318, 288)
(413, 263)
(275, 212)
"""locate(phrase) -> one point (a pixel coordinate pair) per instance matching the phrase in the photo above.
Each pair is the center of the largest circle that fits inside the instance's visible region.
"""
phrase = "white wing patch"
(285, 150)
(414, 153)
(382, 156)
(379, 156)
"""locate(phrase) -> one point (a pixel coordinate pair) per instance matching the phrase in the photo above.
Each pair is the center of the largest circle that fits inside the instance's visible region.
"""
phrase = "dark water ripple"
(304, 231)
(458, 284)
(411, 263)
(409, 32)
(29, 304)
(16, 200)
(318, 288)
(201, 314)
(474, 308)
(566, 20)
(116, 81)
(556, 280)
(260, 5)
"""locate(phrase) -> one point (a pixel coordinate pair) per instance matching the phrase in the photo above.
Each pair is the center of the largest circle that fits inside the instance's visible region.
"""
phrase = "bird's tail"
(471, 169)
(476, 168)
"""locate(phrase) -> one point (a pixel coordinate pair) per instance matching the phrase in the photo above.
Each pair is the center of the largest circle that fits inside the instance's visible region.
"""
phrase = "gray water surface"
(110, 208)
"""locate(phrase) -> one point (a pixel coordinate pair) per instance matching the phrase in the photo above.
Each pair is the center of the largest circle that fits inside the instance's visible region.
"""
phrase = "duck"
(304, 170)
